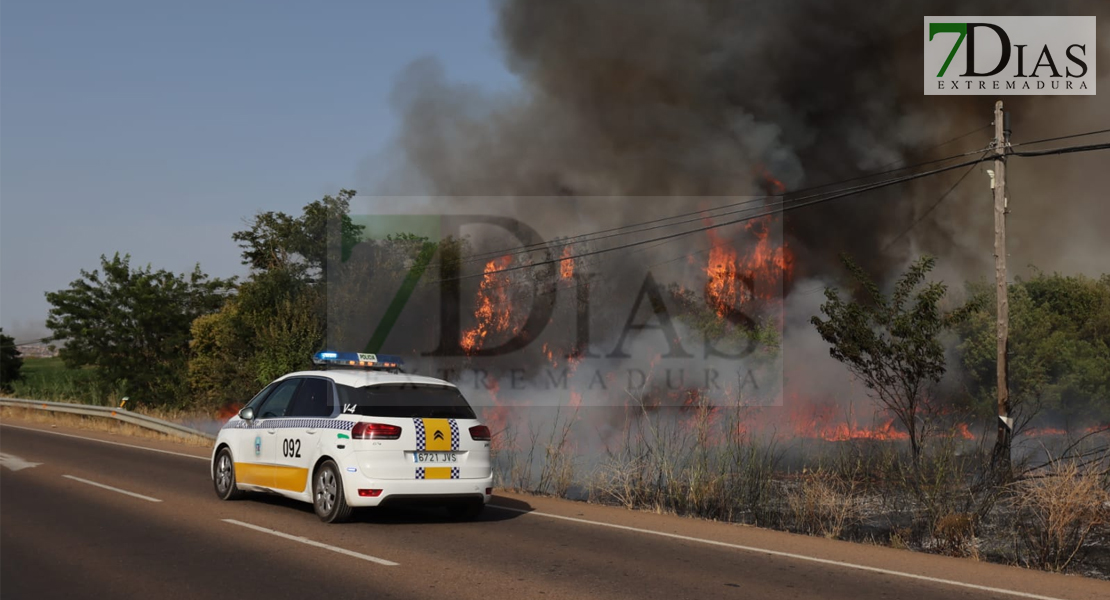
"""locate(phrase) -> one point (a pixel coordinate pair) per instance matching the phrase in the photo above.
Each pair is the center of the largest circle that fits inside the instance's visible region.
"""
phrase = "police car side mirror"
(247, 414)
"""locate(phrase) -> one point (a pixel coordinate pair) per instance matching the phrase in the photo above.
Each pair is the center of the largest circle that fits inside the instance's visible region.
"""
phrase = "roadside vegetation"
(98, 424)
(1052, 514)
(50, 379)
(186, 345)
(942, 490)
(11, 363)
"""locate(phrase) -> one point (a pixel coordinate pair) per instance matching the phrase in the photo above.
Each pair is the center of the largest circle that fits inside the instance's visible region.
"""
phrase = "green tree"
(301, 245)
(1059, 349)
(891, 343)
(221, 369)
(271, 327)
(11, 362)
(277, 319)
(133, 325)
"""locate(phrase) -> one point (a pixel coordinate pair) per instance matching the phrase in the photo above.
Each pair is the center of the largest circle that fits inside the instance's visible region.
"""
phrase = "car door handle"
(271, 430)
(310, 431)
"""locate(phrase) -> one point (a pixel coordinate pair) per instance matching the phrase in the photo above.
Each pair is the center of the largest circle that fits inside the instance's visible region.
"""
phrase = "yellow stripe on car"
(437, 472)
(272, 476)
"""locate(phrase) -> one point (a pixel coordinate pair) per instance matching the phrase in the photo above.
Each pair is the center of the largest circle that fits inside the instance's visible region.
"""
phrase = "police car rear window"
(404, 400)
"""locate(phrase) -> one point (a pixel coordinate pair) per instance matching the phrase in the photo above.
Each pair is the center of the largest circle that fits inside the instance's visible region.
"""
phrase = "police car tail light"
(480, 433)
(375, 431)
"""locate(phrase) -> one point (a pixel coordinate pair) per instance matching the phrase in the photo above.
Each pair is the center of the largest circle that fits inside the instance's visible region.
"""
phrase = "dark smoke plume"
(629, 110)
(683, 98)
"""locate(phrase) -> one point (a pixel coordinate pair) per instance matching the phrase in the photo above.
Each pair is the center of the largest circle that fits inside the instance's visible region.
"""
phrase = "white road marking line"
(114, 489)
(15, 463)
(304, 540)
(824, 561)
(81, 437)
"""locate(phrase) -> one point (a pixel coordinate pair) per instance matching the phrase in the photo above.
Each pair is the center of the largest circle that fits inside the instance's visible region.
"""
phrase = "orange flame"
(733, 280)
(961, 430)
(1043, 431)
(566, 266)
(774, 185)
(492, 314)
(572, 365)
(228, 411)
(722, 286)
(820, 421)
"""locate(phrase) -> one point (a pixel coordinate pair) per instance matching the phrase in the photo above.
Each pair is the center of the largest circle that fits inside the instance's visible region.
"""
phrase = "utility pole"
(1001, 457)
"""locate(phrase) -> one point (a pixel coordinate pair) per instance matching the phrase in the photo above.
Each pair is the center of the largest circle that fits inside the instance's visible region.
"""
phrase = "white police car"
(357, 433)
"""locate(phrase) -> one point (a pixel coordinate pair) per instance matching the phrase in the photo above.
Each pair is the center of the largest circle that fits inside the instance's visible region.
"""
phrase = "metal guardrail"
(108, 412)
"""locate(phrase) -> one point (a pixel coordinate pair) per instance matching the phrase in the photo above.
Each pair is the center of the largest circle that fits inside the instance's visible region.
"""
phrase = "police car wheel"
(223, 476)
(327, 494)
(466, 511)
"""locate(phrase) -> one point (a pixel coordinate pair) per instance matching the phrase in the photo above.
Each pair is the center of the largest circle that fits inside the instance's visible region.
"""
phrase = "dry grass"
(700, 462)
(100, 424)
(823, 504)
(955, 535)
(1056, 511)
(557, 474)
(702, 465)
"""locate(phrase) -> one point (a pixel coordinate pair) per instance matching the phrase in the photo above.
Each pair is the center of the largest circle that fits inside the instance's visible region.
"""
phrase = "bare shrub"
(641, 471)
(1056, 511)
(952, 481)
(512, 463)
(520, 471)
(823, 504)
(557, 474)
(955, 535)
(899, 538)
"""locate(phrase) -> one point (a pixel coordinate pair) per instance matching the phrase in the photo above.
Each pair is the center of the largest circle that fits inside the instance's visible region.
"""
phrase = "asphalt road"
(158, 531)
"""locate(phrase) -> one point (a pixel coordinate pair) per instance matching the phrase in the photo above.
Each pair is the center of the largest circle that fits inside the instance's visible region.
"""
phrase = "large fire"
(722, 284)
(735, 278)
(492, 314)
(747, 269)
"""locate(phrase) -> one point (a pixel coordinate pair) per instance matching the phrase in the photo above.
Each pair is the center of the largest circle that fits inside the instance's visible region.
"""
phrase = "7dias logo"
(1010, 56)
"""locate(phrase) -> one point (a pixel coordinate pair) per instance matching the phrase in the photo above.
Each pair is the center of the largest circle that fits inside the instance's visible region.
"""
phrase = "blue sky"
(155, 128)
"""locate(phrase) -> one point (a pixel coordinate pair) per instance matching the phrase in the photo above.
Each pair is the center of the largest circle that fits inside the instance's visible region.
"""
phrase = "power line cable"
(611, 232)
(1064, 150)
(971, 168)
(1062, 137)
(667, 239)
(933, 206)
(782, 208)
(544, 245)
(916, 221)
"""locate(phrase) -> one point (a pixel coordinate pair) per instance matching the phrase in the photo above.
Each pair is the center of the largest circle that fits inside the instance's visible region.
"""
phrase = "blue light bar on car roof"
(358, 360)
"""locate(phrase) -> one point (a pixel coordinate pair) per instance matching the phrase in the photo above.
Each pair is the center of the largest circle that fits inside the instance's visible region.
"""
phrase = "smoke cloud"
(662, 105)
(681, 99)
